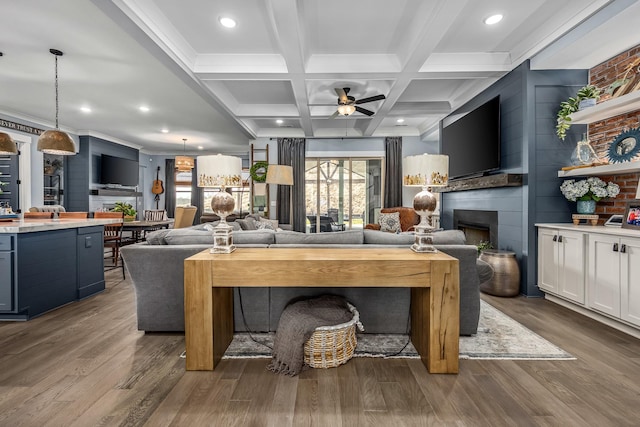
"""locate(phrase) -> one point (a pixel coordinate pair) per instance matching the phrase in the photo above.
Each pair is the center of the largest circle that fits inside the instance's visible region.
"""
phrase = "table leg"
(198, 315)
(435, 319)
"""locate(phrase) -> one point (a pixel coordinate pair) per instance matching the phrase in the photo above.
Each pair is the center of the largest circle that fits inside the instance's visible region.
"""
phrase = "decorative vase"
(586, 103)
(586, 206)
(583, 154)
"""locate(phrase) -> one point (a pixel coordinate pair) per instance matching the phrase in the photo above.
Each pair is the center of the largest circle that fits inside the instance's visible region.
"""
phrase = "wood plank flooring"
(86, 364)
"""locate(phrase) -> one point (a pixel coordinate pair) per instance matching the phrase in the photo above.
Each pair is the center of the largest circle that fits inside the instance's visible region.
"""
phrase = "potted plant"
(587, 192)
(586, 96)
(127, 210)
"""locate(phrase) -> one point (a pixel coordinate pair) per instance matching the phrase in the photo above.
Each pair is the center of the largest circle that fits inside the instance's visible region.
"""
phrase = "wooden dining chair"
(38, 215)
(153, 215)
(63, 215)
(113, 237)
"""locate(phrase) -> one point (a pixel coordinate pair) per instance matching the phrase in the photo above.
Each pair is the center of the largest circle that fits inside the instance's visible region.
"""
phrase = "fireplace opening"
(478, 226)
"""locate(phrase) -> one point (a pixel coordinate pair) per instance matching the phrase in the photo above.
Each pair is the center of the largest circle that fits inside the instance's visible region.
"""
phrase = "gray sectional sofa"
(156, 269)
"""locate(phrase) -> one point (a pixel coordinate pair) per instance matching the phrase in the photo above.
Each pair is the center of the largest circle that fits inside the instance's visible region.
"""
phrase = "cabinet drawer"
(6, 243)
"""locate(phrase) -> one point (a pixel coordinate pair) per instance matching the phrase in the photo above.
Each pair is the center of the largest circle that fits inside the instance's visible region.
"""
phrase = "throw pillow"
(247, 223)
(264, 225)
(389, 222)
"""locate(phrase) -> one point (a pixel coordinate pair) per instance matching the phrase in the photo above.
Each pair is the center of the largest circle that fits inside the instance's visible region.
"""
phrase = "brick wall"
(603, 132)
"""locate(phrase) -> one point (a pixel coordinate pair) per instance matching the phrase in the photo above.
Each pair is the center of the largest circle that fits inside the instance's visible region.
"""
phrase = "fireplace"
(478, 226)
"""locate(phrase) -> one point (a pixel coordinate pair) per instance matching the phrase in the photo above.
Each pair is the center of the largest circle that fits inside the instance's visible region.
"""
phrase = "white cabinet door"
(548, 260)
(604, 274)
(630, 280)
(571, 261)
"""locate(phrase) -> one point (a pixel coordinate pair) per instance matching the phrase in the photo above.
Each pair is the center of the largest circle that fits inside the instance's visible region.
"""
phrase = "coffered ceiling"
(275, 73)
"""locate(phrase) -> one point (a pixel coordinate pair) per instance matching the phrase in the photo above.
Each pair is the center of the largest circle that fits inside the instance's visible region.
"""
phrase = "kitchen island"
(45, 264)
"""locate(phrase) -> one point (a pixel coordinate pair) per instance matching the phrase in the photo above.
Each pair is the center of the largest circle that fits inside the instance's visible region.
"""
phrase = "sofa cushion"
(374, 237)
(449, 237)
(204, 237)
(333, 238)
(267, 224)
(389, 221)
(157, 237)
(209, 226)
(247, 223)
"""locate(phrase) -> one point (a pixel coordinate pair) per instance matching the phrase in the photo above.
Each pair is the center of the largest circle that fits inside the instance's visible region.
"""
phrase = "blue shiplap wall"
(529, 103)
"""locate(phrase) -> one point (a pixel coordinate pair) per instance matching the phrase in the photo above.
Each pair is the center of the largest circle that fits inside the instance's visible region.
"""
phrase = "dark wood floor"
(86, 364)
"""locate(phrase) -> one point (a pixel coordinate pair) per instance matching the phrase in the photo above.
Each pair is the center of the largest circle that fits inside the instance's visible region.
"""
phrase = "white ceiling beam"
(285, 19)
(240, 63)
(432, 27)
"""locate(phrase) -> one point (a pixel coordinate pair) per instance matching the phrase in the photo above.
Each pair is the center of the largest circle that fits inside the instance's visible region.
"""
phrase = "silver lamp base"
(424, 204)
(222, 205)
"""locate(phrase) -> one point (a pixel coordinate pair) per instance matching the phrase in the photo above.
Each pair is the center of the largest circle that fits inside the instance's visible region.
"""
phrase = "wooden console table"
(433, 278)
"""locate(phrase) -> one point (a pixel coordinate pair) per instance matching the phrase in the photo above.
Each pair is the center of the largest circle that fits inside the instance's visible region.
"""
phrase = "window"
(342, 193)
(183, 188)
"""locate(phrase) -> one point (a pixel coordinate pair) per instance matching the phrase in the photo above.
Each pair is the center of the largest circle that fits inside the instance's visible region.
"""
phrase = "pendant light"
(184, 163)
(7, 144)
(55, 141)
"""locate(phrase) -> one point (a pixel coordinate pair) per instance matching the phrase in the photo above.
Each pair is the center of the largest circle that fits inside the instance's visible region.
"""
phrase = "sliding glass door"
(342, 193)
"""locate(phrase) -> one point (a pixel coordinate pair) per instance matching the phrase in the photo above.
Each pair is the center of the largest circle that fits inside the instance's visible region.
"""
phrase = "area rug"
(498, 337)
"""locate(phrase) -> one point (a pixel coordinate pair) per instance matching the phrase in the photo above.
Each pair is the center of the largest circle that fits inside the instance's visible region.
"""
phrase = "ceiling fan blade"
(342, 95)
(364, 111)
(370, 99)
(334, 115)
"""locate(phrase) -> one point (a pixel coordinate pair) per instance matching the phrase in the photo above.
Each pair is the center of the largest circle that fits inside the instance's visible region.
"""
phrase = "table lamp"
(426, 171)
(281, 175)
(221, 171)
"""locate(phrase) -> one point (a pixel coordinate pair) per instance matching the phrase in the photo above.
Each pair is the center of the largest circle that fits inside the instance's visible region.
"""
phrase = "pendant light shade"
(184, 163)
(55, 141)
(7, 144)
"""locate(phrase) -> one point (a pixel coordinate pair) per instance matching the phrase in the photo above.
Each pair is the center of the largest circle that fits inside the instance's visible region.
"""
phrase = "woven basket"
(331, 346)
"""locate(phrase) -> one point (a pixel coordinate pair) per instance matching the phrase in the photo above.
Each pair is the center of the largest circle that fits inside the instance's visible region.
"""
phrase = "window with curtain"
(183, 188)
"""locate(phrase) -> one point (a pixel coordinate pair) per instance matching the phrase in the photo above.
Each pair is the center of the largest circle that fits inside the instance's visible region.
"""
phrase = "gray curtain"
(170, 187)
(197, 195)
(291, 151)
(393, 171)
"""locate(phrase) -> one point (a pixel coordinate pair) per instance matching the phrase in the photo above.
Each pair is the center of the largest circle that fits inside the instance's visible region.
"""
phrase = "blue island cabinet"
(43, 270)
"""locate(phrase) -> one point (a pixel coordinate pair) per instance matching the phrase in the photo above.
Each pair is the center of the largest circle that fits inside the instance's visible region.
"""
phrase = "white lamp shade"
(279, 174)
(219, 171)
(425, 170)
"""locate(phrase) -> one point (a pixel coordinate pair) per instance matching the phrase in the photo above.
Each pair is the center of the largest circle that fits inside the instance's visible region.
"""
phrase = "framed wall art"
(631, 217)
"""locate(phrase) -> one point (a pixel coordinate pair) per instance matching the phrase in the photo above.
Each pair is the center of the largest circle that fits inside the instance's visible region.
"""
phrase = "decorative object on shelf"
(624, 147)
(583, 154)
(589, 92)
(628, 83)
(426, 171)
(592, 190)
(127, 210)
(7, 144)
(56, 141)
(221, 171)
(586, 206)
(184, 163)
(258, 171)
(591, 219)
(632, 215)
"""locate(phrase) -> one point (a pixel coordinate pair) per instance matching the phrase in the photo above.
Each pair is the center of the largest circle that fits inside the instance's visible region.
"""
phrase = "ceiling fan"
(347, 105)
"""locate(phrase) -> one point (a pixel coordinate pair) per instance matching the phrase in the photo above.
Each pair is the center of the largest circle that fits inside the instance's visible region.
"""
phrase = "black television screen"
(118, 171)
(473, 141)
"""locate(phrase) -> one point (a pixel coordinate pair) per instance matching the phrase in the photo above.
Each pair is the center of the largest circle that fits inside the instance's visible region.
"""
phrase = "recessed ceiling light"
(227, 22)
(144, 108)
(165, 131)
(279, 121)
(85, 109)
(200, 147)
(493, 19)
(400, 121)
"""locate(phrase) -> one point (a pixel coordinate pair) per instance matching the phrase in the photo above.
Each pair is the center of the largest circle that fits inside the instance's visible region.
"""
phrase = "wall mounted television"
(116, 171)
(473, 141)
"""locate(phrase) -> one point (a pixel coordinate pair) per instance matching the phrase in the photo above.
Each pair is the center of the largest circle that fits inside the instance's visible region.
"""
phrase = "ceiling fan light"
(7, 144)
(56, 142)
(346, 110)
(493, 19)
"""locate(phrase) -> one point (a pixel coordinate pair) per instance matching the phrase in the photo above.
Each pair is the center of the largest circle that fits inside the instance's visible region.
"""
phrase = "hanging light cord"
(56, 91)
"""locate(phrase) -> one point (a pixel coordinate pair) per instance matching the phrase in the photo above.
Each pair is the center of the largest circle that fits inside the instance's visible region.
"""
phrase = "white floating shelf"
(609, 108)
(611, 169)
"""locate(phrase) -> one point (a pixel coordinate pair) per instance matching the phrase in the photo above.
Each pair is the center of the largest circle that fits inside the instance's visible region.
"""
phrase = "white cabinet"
(594, 270)
(614, 276)
(561, 263)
